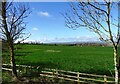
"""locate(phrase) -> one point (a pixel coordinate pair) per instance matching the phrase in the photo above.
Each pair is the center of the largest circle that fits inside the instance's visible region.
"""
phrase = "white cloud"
(76, 39)
(0, 30)
(35, 29)
(46, 14)
(28, 41)
(70, 39)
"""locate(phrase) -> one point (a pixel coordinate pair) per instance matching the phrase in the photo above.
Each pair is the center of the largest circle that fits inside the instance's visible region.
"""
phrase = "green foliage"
(6, 77)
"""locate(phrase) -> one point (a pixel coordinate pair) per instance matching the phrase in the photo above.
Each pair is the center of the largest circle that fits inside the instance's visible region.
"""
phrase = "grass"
(86, 59)
(7, 79)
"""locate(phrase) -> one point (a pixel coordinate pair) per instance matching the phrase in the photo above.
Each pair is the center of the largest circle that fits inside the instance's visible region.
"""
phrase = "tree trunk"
(12, 59)
(116, 64)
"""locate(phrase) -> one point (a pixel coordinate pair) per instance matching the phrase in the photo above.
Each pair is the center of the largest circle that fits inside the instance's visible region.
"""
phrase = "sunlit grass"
(87, 59)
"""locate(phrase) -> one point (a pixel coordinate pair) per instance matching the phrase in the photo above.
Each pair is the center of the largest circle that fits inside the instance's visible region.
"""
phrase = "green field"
(87, 59)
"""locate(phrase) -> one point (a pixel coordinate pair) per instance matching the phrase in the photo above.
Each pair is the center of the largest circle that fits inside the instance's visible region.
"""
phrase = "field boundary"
(66, 75)
(76, 76)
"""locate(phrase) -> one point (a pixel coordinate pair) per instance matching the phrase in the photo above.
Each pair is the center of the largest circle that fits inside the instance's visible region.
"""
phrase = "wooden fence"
(76, 76)
(67, 75)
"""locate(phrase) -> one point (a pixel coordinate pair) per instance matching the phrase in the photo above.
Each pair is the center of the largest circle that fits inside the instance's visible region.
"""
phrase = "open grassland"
(87, 59)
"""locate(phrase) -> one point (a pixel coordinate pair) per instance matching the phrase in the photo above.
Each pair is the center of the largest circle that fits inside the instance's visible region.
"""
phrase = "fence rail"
(66, 75)
(76, 76)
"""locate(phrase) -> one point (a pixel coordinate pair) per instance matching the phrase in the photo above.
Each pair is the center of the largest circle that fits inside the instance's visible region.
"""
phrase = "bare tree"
(97, 17)
(12, 25)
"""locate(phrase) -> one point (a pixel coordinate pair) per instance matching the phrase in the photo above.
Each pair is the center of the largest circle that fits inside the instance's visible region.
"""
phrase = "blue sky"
(46, 24)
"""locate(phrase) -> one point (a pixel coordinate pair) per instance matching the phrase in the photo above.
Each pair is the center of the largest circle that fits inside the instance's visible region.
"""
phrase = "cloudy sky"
(46, 24)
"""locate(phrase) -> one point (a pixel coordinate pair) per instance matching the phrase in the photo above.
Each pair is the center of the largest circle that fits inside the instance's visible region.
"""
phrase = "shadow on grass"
(22, 53)
(38, 67)
(40, 64)
(99, 72)
(53, 65)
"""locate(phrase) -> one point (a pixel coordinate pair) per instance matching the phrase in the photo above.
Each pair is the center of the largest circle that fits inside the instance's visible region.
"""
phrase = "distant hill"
(72, 43)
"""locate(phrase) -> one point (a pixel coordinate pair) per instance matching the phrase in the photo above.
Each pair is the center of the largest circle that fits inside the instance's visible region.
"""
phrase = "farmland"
(86, 59)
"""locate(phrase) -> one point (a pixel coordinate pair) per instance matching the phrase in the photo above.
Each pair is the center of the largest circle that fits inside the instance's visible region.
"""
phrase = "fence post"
(26, 70)
(19, 69)
(78, 75)
(105, 79)
(53, 73)
(56, 73)
(38, 69)
(30, 69)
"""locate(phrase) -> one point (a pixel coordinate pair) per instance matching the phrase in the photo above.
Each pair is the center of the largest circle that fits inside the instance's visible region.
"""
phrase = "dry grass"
(52, 51)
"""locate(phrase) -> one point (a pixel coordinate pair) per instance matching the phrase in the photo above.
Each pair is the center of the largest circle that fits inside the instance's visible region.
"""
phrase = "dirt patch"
(52, 51)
